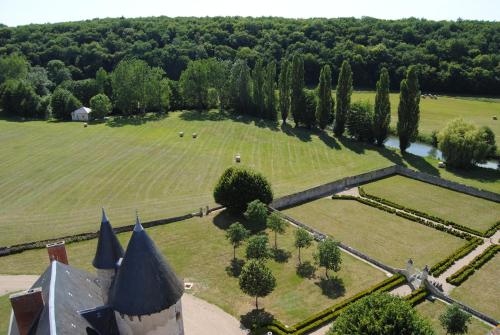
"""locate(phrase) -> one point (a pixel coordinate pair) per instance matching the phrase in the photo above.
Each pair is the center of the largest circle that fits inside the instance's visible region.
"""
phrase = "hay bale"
(195, 135)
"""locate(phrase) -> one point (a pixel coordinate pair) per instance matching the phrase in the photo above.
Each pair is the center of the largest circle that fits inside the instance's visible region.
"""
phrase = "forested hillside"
(453, 57)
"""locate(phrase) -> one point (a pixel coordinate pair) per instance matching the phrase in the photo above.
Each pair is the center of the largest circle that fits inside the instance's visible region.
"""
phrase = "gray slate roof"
(145, 283)
(109, 249)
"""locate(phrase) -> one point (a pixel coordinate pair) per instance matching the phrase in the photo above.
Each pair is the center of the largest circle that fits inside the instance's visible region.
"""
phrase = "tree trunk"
(276, 240)
(300, 262)
(234, 253)
(256, 303)
(326, 272)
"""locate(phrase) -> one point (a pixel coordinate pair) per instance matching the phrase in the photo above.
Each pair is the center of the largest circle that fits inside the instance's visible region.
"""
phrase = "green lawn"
(435, 114)
(199, 253)
(381, 235)
(4, 314)
(482, 290)
(464, 209)
(432, 310)
(54, 177)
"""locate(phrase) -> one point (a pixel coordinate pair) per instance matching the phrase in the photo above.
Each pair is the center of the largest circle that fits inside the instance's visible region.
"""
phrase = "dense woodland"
(453, 57)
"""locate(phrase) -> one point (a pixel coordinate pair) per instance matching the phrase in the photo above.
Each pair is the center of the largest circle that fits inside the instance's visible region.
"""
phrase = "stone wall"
(427, 178)
(333, 187)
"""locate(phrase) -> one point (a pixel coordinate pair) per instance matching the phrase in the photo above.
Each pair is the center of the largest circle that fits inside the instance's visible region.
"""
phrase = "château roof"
(145, 283)
(109, 249)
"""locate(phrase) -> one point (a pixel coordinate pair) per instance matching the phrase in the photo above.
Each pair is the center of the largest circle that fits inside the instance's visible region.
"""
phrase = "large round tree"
(239, 186)
(380, 314)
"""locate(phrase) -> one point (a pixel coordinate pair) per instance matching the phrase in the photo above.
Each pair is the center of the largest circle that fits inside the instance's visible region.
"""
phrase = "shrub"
(63, 103)
(239, 186)
(360, 121)
(464, 145)
(256, 213)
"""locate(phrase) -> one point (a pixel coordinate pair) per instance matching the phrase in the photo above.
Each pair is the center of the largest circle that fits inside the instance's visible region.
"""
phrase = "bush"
(100, 105)
(63, 103)
(239, 186)
(360, 121)
(464, 145)
(256, 213)
(18, 98)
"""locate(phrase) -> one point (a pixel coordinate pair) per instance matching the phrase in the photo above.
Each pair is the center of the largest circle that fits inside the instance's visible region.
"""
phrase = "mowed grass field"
(473, 212)
(482, 290)
(381, 235)
(199, 252)
(432, 310)
(55, 177)
(436, 113)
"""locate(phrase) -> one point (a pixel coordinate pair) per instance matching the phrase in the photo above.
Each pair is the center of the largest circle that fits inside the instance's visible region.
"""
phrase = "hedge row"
(407, 216)
(417, 296)
(461, 275)
(487, 233)
(329, 314)
(445, 264)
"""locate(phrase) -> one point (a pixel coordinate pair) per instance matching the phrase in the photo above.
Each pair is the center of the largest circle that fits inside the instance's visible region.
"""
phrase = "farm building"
(81, 114)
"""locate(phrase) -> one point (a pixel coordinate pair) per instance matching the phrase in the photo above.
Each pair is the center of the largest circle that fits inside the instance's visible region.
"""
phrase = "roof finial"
(104, 217)
(138, 226)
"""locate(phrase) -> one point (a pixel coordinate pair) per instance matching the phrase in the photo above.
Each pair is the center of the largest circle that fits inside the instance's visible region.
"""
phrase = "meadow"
(473, 212)
(385, 237)
(199, 253)
(436, 113)
(55, 176)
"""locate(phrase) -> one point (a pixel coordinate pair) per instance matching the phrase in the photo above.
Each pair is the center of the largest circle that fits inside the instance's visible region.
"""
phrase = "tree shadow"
(200, 115)
(256, 318)
(134, 120)
(225, 218)
(477, 173)
(391, 155)
(421, 164)
(330, 141)
(234, 269)
(280, 255)
(301, 133)
(332, 287)
(353, 145)
(306, 270)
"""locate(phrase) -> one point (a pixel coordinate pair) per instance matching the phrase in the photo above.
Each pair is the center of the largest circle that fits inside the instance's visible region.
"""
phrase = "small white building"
(81, 114)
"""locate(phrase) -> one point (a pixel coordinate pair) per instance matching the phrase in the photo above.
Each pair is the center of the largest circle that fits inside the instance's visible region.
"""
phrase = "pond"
(426, 150)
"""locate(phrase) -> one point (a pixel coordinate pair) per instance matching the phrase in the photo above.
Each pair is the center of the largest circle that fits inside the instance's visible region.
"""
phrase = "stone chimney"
(57, 252)
(27, 306)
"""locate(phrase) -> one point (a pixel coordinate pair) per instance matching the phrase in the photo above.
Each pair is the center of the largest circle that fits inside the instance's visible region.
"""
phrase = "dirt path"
(13, 283)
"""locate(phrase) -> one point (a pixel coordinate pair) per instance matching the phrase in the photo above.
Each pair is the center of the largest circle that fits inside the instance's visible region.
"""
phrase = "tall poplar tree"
(297, 95)
(269, 91)
(258, 77)
(325, 103)
(240, 85)
(382, 114)
(408, 109)
(343, 100)
(284, 90)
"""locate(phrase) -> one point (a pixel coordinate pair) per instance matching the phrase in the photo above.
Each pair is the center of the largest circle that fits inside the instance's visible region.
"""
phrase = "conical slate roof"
(145, 283)
(109, 249)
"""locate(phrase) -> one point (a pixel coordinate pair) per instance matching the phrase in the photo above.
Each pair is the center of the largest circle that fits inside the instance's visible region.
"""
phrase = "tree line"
(452, 56)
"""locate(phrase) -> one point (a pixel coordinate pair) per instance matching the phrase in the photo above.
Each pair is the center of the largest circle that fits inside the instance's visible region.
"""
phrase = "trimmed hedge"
(461, 275)
(329, 314)
(417, 296)
(440, 267)
(491, 231)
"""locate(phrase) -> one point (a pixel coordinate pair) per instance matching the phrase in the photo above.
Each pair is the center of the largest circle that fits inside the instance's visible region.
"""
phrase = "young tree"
(464, 145)
(454, 320)
(297, 96)
(257, 247)
(302, 240)
(102, 80)
(13, 67)
(258, 77)
(129, 80)
(239, 186)
(284, 90)
(360, 121)
(269, 91)
(408, 109)
(328, 255)
(100, 105)
(236, 234)
(380, 314)
(158, 88)
(309, 112)
(382, 115)
(240, 87)
(39, 80)
(256, 213)
(256, 280)
(277, 224)
(325, 102)
(343, 99)
(194, 83)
